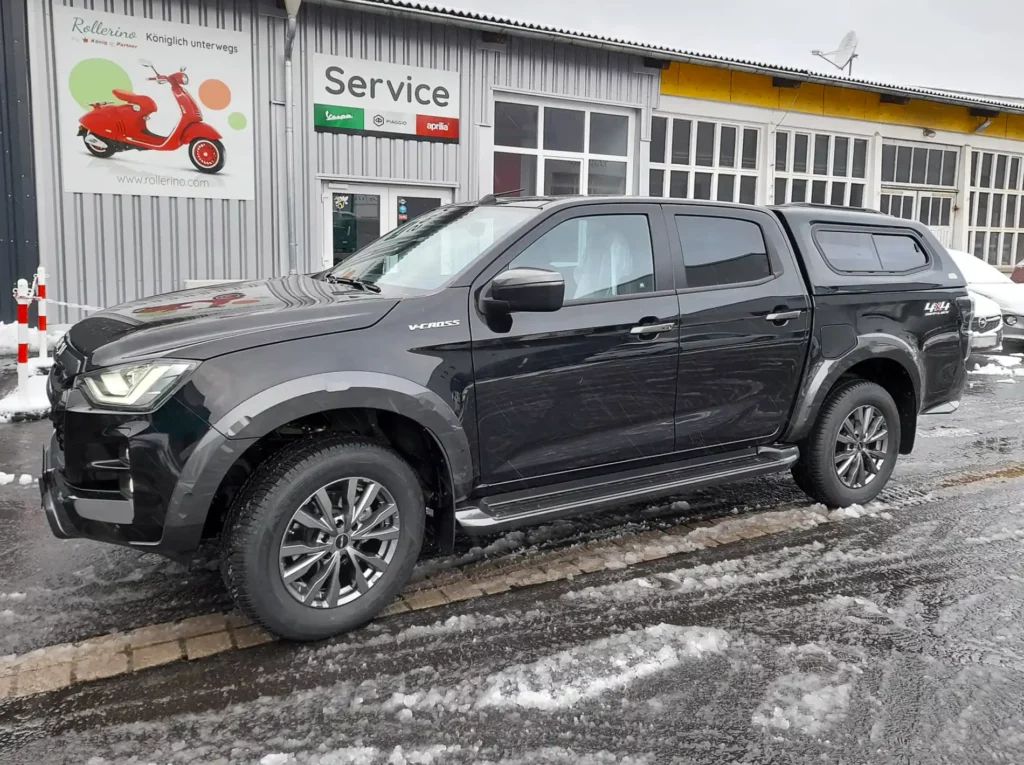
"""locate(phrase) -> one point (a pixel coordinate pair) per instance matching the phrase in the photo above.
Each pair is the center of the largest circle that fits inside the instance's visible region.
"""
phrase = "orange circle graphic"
(215, 94)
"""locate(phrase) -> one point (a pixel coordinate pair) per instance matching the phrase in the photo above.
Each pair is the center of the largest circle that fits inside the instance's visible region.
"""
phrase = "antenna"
(843, 56)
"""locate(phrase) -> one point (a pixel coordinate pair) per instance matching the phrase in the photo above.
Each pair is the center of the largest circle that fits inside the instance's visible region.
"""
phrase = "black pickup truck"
(496, 364)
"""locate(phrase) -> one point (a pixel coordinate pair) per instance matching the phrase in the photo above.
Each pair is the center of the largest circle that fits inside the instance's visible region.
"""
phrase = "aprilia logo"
(936, 307)
(435, 324)
(437, 126)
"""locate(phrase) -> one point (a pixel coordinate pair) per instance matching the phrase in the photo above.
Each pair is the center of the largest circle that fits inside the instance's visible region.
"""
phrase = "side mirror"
(145, 62)
(532, 290)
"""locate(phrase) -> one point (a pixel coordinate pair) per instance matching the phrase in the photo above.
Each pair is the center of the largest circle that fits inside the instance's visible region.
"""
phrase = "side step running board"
(508, 511)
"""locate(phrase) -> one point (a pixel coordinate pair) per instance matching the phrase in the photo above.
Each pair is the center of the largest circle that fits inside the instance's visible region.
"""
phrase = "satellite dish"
(842, 57)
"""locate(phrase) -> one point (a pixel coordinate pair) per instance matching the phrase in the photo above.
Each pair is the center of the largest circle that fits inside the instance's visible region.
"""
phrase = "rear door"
(593, 383)
(744, 325)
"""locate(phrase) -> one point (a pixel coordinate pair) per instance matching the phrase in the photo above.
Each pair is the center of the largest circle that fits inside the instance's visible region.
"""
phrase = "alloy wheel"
(339, 543)
(861, 447)
(205, 153)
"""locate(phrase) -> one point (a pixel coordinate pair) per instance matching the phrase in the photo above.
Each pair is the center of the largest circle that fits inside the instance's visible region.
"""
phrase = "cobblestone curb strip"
(56, 667)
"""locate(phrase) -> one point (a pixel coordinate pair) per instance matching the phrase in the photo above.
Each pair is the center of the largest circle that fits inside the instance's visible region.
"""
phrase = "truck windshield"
(428, 251)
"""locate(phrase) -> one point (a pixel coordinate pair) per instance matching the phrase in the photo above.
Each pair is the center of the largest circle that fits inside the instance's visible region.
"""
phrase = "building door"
(932, 208)
(355, 214)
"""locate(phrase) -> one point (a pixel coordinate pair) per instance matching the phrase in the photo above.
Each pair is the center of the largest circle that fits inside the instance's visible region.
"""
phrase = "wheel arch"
(887, 361)
(363, 401)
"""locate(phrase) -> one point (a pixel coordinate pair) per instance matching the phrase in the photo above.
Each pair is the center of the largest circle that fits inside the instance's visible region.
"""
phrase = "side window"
(865, 252)
(899, 253)
(600, 256)
(849, 250)
(719, 251)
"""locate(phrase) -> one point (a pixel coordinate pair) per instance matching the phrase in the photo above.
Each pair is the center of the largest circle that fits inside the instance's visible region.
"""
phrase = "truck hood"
(209, 321)
(1009, 296)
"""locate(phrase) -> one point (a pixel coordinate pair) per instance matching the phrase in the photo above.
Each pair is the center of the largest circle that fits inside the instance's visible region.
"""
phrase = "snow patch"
(9, 337)
(25, 479)
(33, 403)
(999, 369)
(6, 478)
(946, 432)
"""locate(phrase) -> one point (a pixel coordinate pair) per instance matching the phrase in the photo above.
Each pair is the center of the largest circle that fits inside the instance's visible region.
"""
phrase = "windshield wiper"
(358, 283)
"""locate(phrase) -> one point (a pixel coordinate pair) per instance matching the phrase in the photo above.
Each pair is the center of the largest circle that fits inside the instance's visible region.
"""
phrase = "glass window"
(997, 210)
(515, 173)
(702, 185)
(838, 193)
(986, 171)
(948, 168)
(904, 154)
(679, 185)
(848, 250)
(856, 195)
(563, 129)
(888, 163)
(659, 126)
(749, 149)
(561, 177)
(934, 167)
(355, 220)
(727, 147)
(656, 187)
(606, 177)
(919, 166)
(899, 252)
(1010, 219)
(705, 144)
(799, 190)
(860, 158)
(721, 251)
(781, 149)
(1001, 172)
(840, 155)
(726, 188)
(800, 153)
(609, 134)
(947, 205)
(681, 142)
(821, 154)
(515, 125)
(818, 191)
(600, 256)
(780, 190)
(982, 209)
(748, 189)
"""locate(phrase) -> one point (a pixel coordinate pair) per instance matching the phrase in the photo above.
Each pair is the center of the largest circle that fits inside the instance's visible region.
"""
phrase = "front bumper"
(1013, 331)
(987, 341)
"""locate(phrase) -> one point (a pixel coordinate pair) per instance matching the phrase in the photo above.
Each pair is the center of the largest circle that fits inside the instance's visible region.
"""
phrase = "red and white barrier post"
(24, 298)
(41, 299)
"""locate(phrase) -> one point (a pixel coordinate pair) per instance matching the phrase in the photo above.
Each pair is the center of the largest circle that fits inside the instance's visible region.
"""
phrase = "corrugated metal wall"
(107, 249)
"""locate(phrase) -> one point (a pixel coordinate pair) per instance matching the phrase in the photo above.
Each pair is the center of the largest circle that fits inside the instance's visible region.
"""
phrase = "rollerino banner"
(388, 100)
(152, 107)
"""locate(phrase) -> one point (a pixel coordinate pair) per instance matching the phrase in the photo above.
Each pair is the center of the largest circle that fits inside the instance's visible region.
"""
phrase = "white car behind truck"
(989, 282)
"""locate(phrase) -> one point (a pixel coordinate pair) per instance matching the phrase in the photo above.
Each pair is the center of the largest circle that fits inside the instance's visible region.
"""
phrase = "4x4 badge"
(936, 307)
(434, 324)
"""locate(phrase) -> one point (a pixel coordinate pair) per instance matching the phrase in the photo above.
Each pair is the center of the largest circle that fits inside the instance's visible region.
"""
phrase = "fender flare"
(199, 130)
(268, 410)
(820, 378)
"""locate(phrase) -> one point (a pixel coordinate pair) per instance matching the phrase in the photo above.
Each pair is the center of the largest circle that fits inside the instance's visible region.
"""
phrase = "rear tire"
(351, 565)
(852, 448)
(110, 151)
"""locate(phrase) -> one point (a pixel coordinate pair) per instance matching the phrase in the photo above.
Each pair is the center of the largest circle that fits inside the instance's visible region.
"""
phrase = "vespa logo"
(335, 117)
(434, 324)
(936, 308)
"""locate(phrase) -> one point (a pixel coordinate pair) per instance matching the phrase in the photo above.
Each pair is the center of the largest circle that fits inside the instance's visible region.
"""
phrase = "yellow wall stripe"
(716, 84)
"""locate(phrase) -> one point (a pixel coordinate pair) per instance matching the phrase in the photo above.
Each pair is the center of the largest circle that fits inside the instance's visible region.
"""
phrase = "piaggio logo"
(936, 307)
(435, 324)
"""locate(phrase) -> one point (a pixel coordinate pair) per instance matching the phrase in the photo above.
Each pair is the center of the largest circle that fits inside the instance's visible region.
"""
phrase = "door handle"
(651, 329)
(783, 316)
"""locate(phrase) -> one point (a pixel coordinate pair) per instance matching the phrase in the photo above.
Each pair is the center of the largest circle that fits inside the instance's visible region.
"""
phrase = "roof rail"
(832, 207)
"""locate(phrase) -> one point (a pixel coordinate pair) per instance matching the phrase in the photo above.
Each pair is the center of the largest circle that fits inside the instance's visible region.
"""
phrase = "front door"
(586, 386)
(932, 208)
(744, 323)
(355, 214)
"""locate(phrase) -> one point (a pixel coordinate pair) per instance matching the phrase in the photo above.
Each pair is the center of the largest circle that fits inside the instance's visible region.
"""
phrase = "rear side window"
(864, 252)
(722, 251)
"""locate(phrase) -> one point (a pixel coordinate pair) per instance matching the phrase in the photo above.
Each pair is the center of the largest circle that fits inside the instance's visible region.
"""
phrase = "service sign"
(391, 100)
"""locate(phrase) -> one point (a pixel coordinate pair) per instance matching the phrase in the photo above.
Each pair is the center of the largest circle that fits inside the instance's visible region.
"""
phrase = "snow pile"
(808, 700)
(564, 679)
(440, 753)
(33, 405)
(9, 337)
(945, 431)
(1000, 365)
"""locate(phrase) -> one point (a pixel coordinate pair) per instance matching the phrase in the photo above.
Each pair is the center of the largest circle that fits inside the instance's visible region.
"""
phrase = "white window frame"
(985, 234)
(667, 167)
(810, 176)
(583, 158)
(904, 185)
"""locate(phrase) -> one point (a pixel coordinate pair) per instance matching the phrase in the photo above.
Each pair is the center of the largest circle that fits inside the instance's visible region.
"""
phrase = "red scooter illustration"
(113, 127)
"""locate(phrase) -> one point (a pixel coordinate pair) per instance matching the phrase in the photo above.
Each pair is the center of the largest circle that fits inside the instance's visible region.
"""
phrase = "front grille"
(985, 323)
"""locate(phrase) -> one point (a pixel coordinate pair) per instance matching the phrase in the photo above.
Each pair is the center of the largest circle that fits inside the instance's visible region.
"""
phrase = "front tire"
(207, 155)
(851, 451)
(323, 537)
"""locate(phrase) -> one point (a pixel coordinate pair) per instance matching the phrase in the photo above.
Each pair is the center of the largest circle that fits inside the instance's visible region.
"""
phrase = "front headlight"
(1010, 319)
(134, 387)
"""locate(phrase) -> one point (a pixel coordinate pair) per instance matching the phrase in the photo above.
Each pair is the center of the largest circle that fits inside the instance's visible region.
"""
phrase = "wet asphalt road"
(894, 638)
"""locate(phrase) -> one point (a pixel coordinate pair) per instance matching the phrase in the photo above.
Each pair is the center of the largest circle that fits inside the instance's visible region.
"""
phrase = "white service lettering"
(435, 324)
